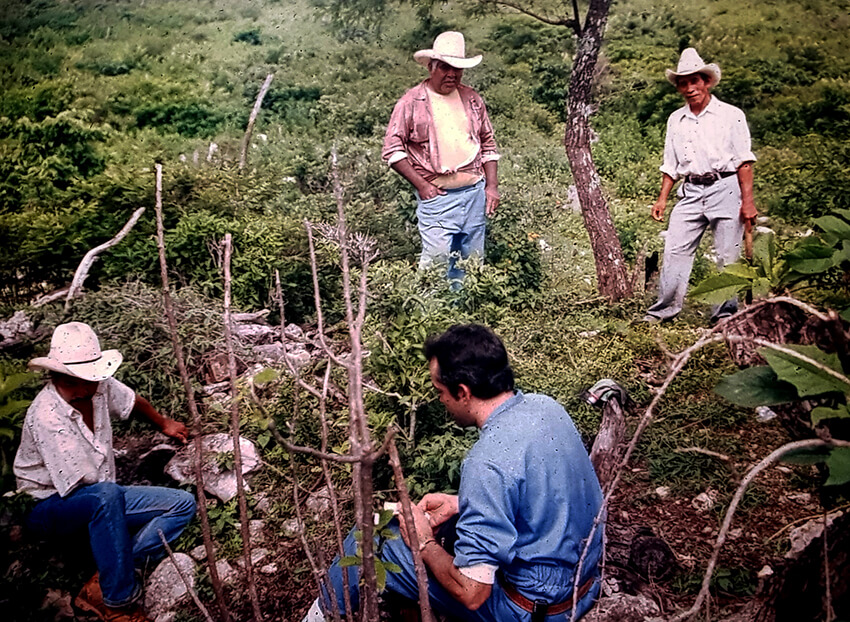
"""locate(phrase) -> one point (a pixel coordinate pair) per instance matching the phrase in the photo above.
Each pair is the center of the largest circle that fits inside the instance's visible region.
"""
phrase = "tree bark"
(611, 274)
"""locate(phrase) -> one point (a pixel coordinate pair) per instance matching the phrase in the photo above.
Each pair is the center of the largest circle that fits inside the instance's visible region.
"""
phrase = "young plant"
(382, 534)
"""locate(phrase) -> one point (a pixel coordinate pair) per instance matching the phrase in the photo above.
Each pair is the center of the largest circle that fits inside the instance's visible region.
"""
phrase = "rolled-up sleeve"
(487, 504)
(120, 398)
(397, 133)
(486, 137)
(741, 143)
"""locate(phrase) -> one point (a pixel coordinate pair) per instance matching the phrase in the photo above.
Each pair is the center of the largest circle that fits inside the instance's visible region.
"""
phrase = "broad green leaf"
(810, 257)
(15, 406)
(761, 287)
(349, 560)
(719, 288)
(834, 229)
(740, 270)
(267, 375)
(14, 381)
(822, 412)
(839, 466)
(809, 379)
(844, 213)
(845, 315)
(380, 575)
(807, 456)
(384, 517)
(764, 252)
(755, 386)
(842, 254)
(391, 567)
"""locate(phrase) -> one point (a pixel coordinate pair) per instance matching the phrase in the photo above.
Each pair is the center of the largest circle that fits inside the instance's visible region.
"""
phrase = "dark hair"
(473, 355)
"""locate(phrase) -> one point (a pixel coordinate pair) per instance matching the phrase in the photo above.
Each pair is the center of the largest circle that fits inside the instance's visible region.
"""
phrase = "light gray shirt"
(716, 140)
(58, 452)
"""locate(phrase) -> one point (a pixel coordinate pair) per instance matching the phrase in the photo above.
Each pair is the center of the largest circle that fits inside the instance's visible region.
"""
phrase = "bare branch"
(183, 578)
(713, 454)
(766, 462)
(197, 426)
(830, 612)
(234, 432)
(90, 257)
(552, 21)
(246, 141)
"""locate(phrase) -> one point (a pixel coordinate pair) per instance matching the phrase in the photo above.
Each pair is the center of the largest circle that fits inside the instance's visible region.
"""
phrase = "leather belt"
(708, 178)
(540, 608)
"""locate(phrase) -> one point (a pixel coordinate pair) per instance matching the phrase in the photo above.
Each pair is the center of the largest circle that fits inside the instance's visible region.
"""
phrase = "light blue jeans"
(497, 608)
(452, 225)
(718, 207)
(123, 524)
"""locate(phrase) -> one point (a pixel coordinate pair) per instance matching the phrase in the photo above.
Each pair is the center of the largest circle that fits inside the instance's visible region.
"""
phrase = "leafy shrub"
(251, 37)
(189, 117)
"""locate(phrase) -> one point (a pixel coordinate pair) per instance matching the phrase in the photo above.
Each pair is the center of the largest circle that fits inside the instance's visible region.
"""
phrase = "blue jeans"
(123, 524)
(498, 608)
(452, 225)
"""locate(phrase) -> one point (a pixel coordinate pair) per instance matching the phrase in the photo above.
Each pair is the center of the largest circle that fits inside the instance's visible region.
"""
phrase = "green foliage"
(382, 534)
(251, 37)
(15, 397)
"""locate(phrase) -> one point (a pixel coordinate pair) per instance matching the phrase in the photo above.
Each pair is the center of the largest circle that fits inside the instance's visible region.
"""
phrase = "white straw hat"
(75, 351)
(690, 63)
(450, 48)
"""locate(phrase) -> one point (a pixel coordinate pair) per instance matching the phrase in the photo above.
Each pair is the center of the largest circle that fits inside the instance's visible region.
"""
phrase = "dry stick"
(90, 257)
(320, 317)
(224, 612)
(774, 456)
(359, 428)
(234, 432)
(713, 454)
(183, 578)
(246, 141)
(421, 572)
(830, 613)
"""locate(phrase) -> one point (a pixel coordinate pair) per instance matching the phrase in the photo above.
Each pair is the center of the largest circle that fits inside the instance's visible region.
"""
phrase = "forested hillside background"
(95, 93)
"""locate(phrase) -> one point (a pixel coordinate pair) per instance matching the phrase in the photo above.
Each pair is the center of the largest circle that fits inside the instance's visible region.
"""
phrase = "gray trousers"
(717, 206)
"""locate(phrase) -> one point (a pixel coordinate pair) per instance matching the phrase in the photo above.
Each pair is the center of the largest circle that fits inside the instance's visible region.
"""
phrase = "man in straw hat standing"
(439, 138)
(708, 147)
(66, 462)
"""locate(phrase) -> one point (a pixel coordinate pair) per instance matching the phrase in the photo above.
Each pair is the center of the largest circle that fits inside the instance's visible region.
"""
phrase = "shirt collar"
(502, 408)
(710, 107)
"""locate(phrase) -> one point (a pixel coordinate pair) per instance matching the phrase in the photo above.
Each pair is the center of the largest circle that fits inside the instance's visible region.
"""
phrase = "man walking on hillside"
(527, 500)
(66, 462)
(439, 138)
(708, 146)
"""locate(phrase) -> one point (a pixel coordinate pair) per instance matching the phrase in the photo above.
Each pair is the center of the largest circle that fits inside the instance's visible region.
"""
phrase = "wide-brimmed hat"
(690, 63)
(75, 351)
(450, 48)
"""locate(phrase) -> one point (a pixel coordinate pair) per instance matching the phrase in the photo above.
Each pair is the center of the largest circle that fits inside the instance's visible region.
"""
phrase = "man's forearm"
(145, 409)
(491, 173)
(466, 591)
(406, 170)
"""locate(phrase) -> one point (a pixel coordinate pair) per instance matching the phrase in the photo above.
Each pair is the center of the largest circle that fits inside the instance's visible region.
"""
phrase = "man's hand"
(658, 209)
(493, 197)
(429, 191)
(422, 525)
(175, 430)
(439, 506)
(748, 213)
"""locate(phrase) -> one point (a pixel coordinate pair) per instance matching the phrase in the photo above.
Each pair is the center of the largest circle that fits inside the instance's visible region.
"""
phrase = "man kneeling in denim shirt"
(527, 501)
(66, 462)
(439, 138)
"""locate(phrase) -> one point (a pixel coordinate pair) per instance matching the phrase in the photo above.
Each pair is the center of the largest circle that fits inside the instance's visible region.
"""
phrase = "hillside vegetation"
(95, 92)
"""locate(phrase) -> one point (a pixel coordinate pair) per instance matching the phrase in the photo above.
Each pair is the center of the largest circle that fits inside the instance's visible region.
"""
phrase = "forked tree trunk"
(611, 273)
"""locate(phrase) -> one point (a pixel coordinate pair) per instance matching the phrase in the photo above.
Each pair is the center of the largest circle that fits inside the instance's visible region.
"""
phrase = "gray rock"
(269, 352)
(165, 589)
(168, 616)
(292, 528)
(218, 480)
(319, 502)
(622, 607)
(801, 537)
(704, 501)
(255, 528)
(269, 569)
(226, 572)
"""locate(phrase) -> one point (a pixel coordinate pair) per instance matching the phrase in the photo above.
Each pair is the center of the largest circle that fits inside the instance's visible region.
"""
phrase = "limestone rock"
(622, 607)
(219, 480)
(165, 589)
(319, 502)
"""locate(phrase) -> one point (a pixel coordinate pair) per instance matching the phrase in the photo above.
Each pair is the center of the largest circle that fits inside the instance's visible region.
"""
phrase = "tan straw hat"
(450, 48)
(75, 351)
(690, 63)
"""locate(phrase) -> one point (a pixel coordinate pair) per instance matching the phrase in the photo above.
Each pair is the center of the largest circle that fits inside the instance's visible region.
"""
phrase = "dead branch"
(90, 257)
(552, 21)
(830, 612)
(421, 572)
(246, 141)
(183, 578)
(197, 427)
(234, 432)
(713, 454)
(766, 462)
(605, 453)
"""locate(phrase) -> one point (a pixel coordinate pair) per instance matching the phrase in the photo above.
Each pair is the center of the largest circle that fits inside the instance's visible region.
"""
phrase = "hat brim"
(95, 371)
(711, 70)
(424, 56)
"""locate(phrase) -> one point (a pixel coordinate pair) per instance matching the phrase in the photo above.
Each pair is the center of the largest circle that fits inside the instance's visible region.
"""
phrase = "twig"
(421, 572)
(766, 462)
(246, 141)
(234, 432)
(183, 578)
(713, 454)
(804, 519)
(90, 257)
(197, 430)
(830, 613)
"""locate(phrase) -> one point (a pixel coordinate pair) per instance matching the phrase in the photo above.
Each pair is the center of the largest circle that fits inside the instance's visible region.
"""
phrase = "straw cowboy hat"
(75, 351)
(450, 48)
(689, 63)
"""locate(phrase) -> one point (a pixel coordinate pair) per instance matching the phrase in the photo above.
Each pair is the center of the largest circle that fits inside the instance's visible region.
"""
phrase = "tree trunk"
(611, 274)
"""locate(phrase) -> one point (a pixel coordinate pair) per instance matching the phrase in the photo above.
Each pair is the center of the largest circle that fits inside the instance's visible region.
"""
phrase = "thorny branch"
(183, 578)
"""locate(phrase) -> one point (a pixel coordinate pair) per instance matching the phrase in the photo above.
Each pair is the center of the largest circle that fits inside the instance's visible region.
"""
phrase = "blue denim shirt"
(528, 497)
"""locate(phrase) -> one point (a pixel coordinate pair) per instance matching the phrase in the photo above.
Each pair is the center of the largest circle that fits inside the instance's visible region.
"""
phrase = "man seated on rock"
(66, 462)
(527, 500)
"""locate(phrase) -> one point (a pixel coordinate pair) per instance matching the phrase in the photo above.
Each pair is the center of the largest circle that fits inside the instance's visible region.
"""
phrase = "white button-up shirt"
(716, 140)
(58, 452)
